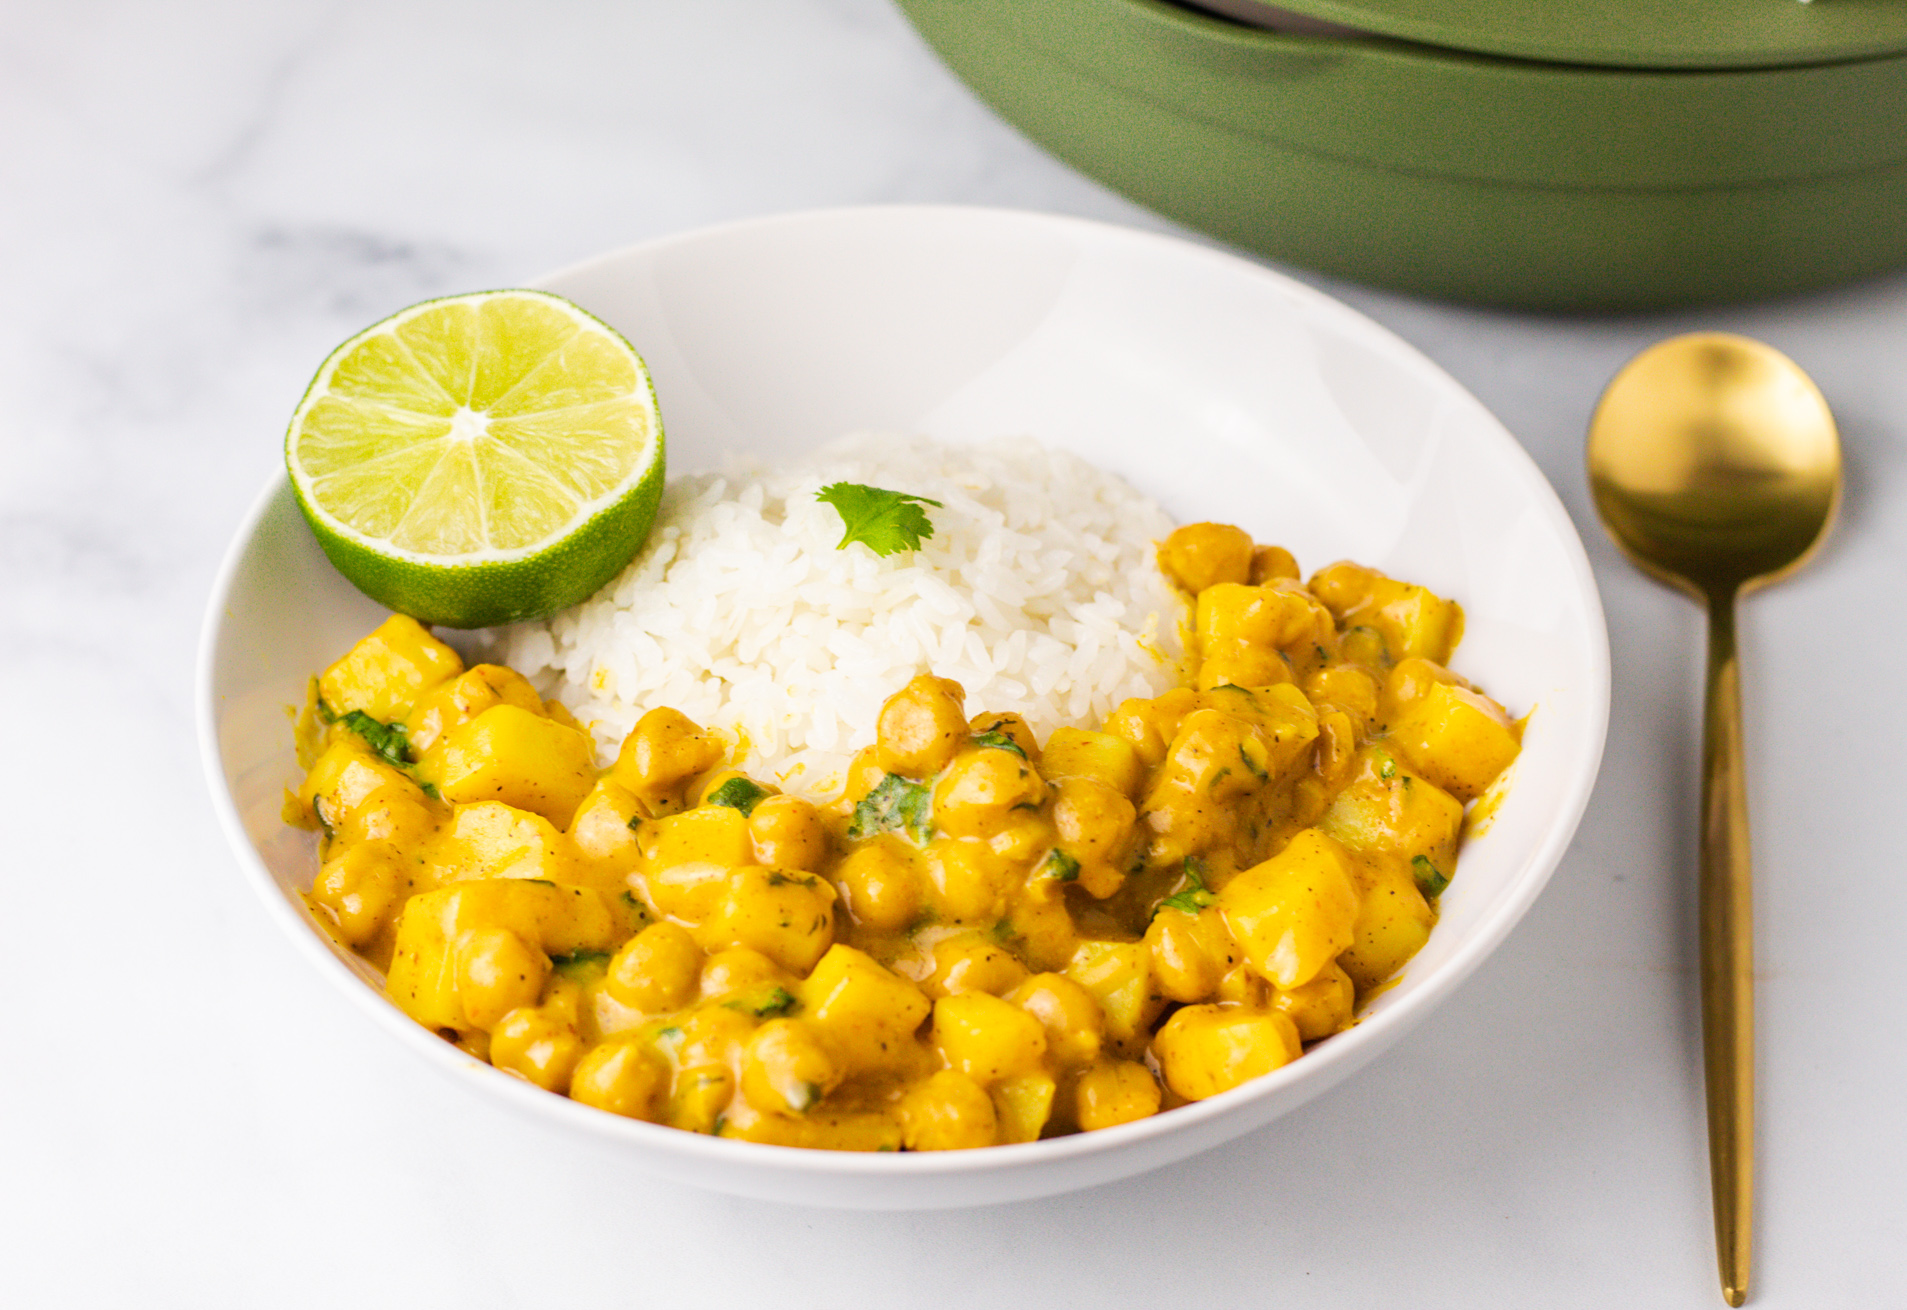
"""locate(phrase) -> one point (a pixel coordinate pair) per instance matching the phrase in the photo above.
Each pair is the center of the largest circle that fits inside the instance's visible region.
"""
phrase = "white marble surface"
(198, 200)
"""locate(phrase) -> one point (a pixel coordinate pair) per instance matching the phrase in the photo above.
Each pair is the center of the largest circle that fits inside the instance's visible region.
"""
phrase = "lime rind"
(430, 534)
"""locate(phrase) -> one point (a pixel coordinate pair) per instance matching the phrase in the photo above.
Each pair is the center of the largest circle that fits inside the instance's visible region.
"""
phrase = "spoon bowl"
(1715, 463)
(1716, 466)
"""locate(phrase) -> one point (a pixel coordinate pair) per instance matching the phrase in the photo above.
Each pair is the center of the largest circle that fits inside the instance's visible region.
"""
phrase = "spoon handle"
(1728, 951)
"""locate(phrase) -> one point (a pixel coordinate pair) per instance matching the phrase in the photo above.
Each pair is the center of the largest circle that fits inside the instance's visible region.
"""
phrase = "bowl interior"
(1223, 390)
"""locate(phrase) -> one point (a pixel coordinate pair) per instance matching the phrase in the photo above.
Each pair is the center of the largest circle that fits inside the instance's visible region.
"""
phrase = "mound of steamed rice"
(1039, 592)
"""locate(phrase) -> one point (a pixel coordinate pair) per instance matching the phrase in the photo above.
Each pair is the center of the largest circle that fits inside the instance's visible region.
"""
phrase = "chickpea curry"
(986, 939)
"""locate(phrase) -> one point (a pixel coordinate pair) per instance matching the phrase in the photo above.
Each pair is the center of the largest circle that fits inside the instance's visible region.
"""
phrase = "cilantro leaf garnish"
(387, 739)
(999, 741)
(1430, 878)
(1194, 896)
(738, 793)
(886, 522)
(896, 803)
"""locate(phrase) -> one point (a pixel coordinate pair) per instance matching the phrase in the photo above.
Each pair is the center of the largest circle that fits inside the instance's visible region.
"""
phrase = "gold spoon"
(1716, 467)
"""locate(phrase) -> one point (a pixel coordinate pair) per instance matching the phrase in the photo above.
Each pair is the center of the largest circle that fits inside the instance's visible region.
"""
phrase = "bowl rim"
(1342, 1054)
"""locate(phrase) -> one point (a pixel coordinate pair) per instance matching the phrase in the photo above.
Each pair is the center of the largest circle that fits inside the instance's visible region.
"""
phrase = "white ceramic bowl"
(1224, 390)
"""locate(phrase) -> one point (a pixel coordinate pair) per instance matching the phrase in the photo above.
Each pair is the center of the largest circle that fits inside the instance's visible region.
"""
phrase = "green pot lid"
(1629, 33)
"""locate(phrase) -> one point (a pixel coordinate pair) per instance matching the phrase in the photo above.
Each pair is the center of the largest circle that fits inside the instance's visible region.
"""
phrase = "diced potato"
(1388, 807)
(1294, 913)
(1119, 977)
(868, 1012)
(497, 972)
(344, 779)
(1207, 1049)
(508, 754)
(1414, 621)
(1110, 759)
(787, 916)
(493, 840)
(1393, 922)
(463, 698)
(423, 978)
(1457, 738)
(1022, 1105)
(708, 834)
(385, 673)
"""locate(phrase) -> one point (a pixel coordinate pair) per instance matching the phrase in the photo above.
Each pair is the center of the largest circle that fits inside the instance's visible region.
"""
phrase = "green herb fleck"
(1388, 768)
(886, 522)
(317, 811)
(738, 793)
(430, 790)
(721, 1122)
(1218, 777)
(1257, 769)
(1429, 877)
(582, 967)
(325, 712)
(896, 803)
(1003, 931)
(780, 879)
(635, 822)
(1194, 896)
(1060, 866)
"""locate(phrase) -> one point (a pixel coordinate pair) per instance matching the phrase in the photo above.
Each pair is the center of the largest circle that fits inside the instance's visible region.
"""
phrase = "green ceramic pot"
(1457, 175)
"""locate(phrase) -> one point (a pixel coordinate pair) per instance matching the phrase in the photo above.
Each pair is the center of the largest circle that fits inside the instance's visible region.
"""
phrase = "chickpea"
(1346, 686)
(968, 962)
(536, 1048)
(656, 970)
(623, 1077)
(1199, 555)
(973, 881)
(1075, 1025)
(1190, 953)
(947, 1112)
(1336, 748)
(788, 834)
(1272, 562)
(788, 1069)
(363, 888)
(660, 755)
(1320, 1007)
(739, 969)
(702, 1094)
(786, 915)
(1115, 1092)
(864, 774)
(497, 973)
(881, 884)
(921, 727)
(980, 787)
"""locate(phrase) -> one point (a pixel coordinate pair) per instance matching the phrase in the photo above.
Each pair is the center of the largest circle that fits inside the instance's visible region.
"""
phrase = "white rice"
(1039, 592)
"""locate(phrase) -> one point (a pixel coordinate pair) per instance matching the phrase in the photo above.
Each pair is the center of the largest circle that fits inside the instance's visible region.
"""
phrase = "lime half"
(480, 459)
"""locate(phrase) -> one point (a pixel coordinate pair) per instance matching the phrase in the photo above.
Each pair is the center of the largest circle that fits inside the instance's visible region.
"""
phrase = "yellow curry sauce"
(986, 939)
